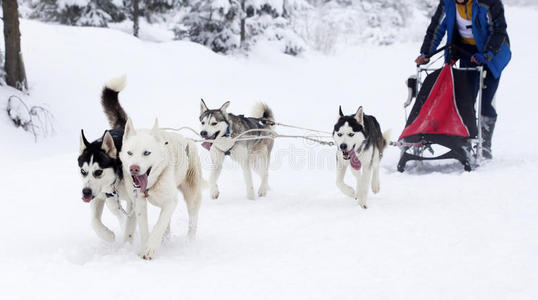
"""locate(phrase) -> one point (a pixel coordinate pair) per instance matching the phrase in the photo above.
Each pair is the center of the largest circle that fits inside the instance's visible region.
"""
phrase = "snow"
(434, 232)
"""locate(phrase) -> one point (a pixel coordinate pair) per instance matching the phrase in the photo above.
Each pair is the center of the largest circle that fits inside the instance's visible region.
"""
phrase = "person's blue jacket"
(489, 31)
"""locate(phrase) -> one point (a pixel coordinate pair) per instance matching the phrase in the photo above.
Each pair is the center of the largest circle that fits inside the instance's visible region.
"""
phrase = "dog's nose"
(203, 133)
(343, 146)
(135, 169)
(87, 192)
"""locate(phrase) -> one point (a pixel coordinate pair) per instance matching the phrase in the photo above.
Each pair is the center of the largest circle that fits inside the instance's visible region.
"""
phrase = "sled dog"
(360, 145)
(158, 164)
(101, 169)
(252, 154)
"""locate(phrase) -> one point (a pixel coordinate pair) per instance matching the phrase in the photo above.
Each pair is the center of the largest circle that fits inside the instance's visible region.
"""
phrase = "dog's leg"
(100, 229)
(375, 175)
(130, 224)
(363, 185)
(115, 210)
(193, 199)
(247, 174)
(141, 210)
(156, 236)
(264, 173)
(217, 158)
(340, 173)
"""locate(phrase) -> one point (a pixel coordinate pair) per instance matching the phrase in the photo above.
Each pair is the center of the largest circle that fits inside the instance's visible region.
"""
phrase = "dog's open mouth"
(141, 181)
(87, 198)
(354, 160)
(347, 154)
(208, 145)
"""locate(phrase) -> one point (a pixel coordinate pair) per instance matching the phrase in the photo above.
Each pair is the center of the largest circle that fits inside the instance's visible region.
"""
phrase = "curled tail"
(109, 100)
(386, 141)
(262, 111)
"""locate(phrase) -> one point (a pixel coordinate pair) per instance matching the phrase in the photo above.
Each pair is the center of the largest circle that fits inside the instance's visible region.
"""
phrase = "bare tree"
(14, 65)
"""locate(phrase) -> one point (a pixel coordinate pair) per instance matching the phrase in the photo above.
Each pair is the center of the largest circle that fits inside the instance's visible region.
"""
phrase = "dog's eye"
(83, 172)
(97, 173)
(351, 134)
(339, 134)
(203, 123)
(146, 153)
(129, 153)
(214, 124)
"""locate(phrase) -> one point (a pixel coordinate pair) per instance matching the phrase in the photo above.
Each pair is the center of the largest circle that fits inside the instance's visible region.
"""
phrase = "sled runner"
(444, 113)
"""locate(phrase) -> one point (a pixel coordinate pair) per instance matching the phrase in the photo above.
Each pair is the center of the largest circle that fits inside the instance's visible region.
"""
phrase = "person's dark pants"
(490, 82)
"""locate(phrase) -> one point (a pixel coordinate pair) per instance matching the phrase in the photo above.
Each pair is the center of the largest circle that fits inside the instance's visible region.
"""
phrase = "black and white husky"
(360, 145)
(256, 153)
(101, 168)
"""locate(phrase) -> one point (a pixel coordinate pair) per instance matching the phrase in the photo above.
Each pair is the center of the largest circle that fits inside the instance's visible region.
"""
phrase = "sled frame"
(470, 158)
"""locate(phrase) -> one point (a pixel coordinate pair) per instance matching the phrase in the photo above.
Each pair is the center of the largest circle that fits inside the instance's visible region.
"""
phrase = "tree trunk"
(136, 12)
(243, 18)
(14, 66)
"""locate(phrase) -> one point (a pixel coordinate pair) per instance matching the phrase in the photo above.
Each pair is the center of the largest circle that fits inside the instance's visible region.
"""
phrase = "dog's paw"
(347, 190)
(262, 192)
(128, 238)
(107, 235)
(250, 195)
(375, 187)
(214, 193)
(148, 253)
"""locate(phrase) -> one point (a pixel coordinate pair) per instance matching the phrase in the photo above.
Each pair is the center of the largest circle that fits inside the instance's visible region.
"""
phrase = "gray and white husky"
(252, 154)
(101, 169)
(360, 145)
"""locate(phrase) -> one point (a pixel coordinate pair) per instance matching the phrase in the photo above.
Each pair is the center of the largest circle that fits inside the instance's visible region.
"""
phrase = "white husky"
(361, 145)
(160, 163)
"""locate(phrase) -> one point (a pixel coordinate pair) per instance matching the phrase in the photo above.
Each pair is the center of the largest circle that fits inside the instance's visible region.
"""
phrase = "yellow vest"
(464, 21)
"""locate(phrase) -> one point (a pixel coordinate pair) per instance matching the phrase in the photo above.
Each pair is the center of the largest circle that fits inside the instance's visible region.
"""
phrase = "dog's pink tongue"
(86, 199)
(207, 145)
(354, 160)
(142, 182)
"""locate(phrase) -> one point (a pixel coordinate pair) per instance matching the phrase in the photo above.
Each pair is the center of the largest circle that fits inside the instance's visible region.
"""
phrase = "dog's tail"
(111, 105)
(386, 141)
(262, 111)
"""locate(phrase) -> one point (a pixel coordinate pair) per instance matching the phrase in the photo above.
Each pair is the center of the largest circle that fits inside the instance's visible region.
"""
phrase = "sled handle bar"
(448, 46)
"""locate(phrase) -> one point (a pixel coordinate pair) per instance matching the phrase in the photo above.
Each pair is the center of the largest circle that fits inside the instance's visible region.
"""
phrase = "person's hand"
(479, 59)
(422, 59)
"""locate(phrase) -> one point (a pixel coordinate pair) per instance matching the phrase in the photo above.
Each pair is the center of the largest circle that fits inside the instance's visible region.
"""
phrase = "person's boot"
(488, 125)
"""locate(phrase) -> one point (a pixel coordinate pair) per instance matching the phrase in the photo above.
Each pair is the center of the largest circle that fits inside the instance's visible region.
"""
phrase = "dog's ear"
(129, 129)
(224, 107)
(340, 113)
(83, 141)
(108, 145)
(155, 131)
(203, 107)
(359, 116)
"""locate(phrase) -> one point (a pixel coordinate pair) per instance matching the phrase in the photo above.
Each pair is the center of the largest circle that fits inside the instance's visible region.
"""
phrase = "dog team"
(152, 165)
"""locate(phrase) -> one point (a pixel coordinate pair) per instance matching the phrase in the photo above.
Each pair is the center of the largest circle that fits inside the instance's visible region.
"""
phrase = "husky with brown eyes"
(101, 168)
(360, 145)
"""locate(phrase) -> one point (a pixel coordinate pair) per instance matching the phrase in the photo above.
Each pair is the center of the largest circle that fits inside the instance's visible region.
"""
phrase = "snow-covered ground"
(432, 233)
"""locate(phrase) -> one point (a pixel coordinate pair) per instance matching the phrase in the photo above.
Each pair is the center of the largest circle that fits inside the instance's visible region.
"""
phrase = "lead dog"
(160, 163)
(101, 170)
(361, 144)
(255, 153)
